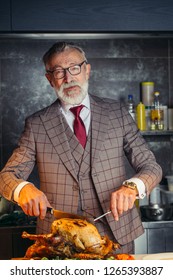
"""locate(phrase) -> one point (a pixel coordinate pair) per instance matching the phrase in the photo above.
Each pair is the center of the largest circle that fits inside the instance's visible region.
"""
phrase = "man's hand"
(122, 200)
(33, 201)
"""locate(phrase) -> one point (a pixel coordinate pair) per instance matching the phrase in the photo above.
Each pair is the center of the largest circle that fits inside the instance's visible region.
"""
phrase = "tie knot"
(76, 110)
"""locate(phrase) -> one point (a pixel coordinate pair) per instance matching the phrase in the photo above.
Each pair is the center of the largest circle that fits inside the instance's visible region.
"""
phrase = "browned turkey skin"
(70, 238)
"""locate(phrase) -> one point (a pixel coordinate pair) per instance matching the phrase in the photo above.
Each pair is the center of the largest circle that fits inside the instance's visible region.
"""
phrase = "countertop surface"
(139, 256)
(157, 224)
(157, 256)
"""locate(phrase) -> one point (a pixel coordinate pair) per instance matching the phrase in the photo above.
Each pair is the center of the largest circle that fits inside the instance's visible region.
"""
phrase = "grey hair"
(59, 47)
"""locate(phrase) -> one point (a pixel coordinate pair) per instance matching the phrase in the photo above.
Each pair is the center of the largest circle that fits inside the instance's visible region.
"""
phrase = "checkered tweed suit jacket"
(45, 141)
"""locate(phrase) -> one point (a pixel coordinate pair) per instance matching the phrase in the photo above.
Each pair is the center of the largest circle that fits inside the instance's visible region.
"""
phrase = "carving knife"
(61, 214)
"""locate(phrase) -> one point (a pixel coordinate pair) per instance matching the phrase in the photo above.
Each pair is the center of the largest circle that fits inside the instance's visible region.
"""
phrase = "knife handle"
(50, 210)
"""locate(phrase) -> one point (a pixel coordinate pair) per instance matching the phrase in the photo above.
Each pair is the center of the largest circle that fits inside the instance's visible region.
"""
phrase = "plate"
(160, 256)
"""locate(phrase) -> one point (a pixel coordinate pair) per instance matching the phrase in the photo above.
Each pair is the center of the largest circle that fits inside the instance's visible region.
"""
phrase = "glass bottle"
(147, 117)
(157, 113)
(131, 106)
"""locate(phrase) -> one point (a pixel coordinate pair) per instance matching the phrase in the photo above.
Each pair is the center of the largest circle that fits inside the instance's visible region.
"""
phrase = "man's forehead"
(67, 58)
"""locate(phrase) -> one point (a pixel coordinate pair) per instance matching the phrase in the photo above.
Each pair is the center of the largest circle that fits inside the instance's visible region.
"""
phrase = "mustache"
(71, 84)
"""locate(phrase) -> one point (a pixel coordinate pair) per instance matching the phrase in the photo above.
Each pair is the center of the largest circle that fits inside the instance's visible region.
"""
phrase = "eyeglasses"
(60, 73)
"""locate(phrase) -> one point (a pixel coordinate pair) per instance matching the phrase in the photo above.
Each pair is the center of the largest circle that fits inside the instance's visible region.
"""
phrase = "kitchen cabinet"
(90, 16)
(85, 16)
(5, 16)
(12, 245)
(98, 15)
(157, 238)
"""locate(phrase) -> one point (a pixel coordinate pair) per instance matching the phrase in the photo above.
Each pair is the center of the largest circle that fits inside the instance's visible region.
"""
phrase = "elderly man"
(79, 144)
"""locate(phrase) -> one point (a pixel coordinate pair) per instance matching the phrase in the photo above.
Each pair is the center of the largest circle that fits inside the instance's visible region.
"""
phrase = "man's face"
(71, 89)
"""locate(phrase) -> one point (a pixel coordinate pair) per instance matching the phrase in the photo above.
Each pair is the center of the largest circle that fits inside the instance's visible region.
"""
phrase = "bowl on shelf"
(156, 212)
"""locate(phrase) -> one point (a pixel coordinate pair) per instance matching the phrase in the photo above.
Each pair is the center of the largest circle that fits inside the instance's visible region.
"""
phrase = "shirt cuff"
(18, 189)
(140, 186)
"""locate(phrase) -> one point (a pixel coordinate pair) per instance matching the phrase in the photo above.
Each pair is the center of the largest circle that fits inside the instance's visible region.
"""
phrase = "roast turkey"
(70, 238)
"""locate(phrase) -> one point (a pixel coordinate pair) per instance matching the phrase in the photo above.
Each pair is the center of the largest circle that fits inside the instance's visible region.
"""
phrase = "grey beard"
(70, 99)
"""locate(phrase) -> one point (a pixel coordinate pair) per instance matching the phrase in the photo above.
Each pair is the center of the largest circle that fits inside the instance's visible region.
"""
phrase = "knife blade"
(58, 214)
(99, 217)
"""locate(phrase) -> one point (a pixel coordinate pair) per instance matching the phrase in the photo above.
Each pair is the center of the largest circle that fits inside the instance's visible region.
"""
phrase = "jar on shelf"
(147, 90)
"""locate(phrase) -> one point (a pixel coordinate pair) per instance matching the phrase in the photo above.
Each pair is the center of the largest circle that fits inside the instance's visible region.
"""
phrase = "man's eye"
(58, 71)
(74, 68)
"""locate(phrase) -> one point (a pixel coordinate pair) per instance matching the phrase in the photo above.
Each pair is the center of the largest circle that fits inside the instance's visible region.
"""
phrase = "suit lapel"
(99, 125)
(59, 137)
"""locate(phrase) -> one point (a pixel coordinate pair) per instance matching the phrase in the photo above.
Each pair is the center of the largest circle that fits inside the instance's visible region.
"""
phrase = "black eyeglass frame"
(67, 69)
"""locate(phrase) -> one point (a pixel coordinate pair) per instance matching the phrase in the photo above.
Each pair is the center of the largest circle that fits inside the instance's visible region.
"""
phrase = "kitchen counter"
(157, 224)
(157, 256)
(156, 238)
(139, 256)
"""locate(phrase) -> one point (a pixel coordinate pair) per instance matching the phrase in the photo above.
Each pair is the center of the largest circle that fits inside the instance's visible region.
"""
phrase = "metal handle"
(98, 218)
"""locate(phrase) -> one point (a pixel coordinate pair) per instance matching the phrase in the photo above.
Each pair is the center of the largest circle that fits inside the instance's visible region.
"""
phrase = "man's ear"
(88, 70)
(47, 75)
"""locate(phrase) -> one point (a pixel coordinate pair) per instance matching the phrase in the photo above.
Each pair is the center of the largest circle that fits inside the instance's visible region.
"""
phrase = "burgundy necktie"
(79, 127)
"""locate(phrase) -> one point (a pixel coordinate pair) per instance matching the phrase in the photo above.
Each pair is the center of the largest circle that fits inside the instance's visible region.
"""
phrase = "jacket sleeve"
(20, 164)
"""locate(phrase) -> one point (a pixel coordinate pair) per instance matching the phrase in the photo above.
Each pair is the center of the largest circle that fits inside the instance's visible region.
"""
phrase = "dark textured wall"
(118, 67)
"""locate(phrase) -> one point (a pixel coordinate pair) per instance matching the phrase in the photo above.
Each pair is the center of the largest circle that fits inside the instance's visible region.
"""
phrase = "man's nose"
(68, 77)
